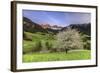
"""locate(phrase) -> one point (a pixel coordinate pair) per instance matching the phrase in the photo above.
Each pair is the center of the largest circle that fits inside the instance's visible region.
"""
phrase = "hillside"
(83, 28)
(30, 26)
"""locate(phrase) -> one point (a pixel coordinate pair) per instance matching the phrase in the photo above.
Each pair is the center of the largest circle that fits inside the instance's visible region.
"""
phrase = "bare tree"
(69, 39)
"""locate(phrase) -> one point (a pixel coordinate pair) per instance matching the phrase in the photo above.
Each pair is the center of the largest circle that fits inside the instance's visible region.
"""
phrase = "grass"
(41, 57)
(29, 46)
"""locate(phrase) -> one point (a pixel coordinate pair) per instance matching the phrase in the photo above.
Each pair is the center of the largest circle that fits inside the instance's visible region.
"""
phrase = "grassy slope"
(39, 37)
(40, 57)
(29, 45)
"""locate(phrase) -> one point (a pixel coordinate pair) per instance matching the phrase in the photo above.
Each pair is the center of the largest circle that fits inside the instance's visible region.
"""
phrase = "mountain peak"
(55, 27)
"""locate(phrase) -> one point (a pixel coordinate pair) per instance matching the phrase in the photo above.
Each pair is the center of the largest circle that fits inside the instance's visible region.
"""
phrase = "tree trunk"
(66, 50)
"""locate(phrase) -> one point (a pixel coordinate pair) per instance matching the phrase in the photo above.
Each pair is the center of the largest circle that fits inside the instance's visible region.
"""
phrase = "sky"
(57, 18)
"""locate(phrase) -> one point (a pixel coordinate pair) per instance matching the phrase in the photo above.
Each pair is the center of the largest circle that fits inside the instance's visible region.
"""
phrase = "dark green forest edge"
(68, 43)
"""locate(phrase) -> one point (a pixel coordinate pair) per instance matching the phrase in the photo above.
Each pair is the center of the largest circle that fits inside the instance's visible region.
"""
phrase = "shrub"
(38, 46)
(27, 36)
(87, 45)
(30, 47)
(87, 41)
(48, 45)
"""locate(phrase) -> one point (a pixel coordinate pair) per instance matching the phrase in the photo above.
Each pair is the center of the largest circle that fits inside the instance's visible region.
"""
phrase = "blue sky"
(57, 18)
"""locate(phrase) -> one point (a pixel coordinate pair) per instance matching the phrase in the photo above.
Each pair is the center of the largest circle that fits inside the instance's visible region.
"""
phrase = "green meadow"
(58, 56)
